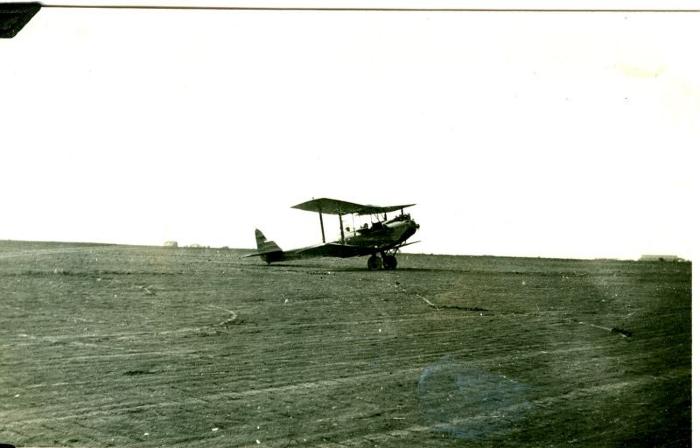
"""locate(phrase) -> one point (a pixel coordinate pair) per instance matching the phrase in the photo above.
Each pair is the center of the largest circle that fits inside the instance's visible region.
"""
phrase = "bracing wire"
(350, 9)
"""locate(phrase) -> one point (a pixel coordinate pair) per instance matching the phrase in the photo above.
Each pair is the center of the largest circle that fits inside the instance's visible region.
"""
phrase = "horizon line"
(225, 247)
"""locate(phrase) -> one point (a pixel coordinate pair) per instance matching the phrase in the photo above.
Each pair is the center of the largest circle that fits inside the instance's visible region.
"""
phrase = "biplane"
(381, 238)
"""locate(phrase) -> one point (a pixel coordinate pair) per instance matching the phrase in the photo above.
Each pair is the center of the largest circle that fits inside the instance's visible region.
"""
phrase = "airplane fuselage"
(378, 238)
(383, 236)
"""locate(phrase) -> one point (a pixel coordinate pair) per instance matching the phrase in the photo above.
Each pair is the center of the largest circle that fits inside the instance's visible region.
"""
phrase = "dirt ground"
(143, 346)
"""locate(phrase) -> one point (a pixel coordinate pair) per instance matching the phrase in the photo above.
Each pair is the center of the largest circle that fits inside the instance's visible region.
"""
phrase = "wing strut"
(342, 233)
(323, 233)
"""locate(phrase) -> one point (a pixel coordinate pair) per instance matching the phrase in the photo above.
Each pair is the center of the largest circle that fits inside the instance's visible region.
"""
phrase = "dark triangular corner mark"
(13, 17)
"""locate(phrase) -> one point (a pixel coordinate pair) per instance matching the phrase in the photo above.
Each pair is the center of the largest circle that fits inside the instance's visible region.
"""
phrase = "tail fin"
(264, 245)
(269, 251)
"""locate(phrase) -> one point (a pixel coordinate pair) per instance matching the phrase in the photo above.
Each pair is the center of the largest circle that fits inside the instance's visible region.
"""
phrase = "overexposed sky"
(538, 134)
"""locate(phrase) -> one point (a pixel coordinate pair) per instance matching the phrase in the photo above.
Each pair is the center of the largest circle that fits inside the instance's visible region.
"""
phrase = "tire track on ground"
(290, 388)
(543, 402)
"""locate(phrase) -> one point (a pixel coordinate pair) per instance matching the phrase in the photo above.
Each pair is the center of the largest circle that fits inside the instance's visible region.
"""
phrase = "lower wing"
(333, 250)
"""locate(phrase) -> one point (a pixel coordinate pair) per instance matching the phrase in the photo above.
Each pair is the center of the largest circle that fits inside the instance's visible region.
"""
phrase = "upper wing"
(332, 250)
(337, 207)
(13, 17)
(372, 209)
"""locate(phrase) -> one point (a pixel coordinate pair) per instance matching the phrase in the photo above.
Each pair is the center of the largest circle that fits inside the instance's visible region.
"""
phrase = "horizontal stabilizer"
(266, 252)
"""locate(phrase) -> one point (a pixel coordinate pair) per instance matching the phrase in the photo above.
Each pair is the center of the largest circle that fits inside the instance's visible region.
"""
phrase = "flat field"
(143, 346)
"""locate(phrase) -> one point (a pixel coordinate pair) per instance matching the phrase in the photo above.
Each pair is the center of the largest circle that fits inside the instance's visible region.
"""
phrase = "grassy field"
(143, 346)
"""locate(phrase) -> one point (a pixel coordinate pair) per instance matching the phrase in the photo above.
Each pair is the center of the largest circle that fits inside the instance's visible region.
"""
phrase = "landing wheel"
(389, 262)
(374, 263)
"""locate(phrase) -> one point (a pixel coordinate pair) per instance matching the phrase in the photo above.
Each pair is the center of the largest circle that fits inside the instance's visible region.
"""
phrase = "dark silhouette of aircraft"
(380, 240)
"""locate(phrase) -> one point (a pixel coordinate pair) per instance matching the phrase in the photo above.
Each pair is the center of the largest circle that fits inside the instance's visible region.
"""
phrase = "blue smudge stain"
(470, 403)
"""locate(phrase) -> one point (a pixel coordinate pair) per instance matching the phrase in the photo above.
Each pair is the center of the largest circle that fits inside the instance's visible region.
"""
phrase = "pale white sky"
(564, 135)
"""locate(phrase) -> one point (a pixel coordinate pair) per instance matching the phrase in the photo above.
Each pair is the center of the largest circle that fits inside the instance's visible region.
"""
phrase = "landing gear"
(386, 261)
(389, 262)
(374, 263)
